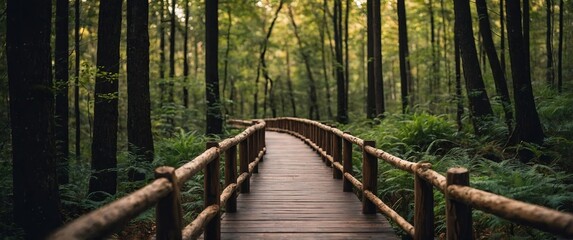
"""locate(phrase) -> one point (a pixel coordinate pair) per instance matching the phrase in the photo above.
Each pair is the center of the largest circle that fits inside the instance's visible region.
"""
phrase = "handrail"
(164, 192)
(329, 142)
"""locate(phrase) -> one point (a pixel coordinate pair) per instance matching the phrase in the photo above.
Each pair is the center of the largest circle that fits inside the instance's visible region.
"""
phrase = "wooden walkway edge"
(295, 197)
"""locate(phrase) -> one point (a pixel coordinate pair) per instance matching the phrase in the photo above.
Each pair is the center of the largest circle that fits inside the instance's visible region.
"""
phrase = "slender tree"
(342, 97)
(405, 73)
(497, 71)
(527, 124)
(313, 111)
(375, 97)
(262, 61)
(104, 143)
(550, 78)
(170, 90)
(161, 27)
(479, 105)
(502, 35)
(139, 134)
(186, 56)
(560, 49)
(62, 82)
(214, 117)
(36, 195)
(77, 78)
(526, 20)
(289, 81)
(226, 59)
(323, 27)
(458, 71)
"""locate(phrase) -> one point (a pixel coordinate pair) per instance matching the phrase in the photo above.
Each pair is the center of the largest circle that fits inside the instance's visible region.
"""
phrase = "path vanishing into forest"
(294, 196)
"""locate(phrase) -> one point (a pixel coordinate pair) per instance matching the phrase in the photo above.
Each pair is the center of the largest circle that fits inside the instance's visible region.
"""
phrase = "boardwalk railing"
(164, 193)
(335, 147)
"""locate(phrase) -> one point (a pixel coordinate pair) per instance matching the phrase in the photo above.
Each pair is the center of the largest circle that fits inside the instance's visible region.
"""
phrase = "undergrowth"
(546, 181)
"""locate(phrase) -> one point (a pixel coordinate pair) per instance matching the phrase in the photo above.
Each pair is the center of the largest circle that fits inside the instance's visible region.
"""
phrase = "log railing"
(335, 147)
(164, 193)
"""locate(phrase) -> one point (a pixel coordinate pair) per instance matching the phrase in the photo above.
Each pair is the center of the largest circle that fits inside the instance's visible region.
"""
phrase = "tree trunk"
(77, 79)
(170, 82)
(62, 82)
(104, 143)
(549, 44)
(502, 35)
(139, 134)
(458, 71)
(36, 195)
(186, 57)
(526, 20)
(527, 125)
(261, 62)
(375, 97)
(214, 118)
(560, 49)
(479, 105)
(161, 51)
(342, 97)
(289, 82)
(497, 72)
(226, 60)
(323, 27)
(313, 111)
(268, 80)
(405, 74)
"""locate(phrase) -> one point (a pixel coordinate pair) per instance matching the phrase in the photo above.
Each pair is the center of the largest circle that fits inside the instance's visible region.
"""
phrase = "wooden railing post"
(423, 206)
(458, 214)
(347, 163)
(231, 177)
(253, 150)
(369, 177)
(327, 146)
(168, 213)
(244, 164)
(212, 195)
(336, 155)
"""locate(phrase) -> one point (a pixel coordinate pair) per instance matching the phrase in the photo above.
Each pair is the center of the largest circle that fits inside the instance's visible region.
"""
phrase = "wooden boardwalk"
(295, 197)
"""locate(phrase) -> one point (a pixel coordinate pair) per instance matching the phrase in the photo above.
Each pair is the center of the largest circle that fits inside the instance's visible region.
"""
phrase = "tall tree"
(139, 134)
(313, 111)
(527, 124)
(342, 96)
(560, 49)
(405, 73)
(375, 99)
(496, 70)
(458, 71)
(549, 43)
(170, 98)
(186, 56)
(104, 143)
(62, 82)
(289, 81)
(36, 195)
(479, 105)
(161, 27)
(323, 27)
(502, 35)
(77, 78)
(226, 59)
(262, 61)
(214, 117)
(526, 20)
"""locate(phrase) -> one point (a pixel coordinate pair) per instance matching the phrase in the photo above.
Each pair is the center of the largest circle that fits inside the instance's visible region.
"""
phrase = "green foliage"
(424, 137)
(180, 148)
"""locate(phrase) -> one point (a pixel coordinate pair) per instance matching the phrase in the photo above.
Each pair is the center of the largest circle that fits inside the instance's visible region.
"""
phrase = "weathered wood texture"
(295, 197)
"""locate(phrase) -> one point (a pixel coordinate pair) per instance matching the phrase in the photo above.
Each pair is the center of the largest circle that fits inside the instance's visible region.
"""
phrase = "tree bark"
(502, 35)
(268, 79)
(496, 70)
(262, 61)
(560, 49)
(479, 105)
(214, 117)
(289, 82)
(458, 71)
(161, 51)
(342, 97)
(104, 143)
(526, 20)
(405, 74)
(226, 60)
(139, 134)
(35, 189)
(549, 44)
(77, 79)
(323, 27)
(527, 125)
(375, 97)
(313, 111)
(186, 57)
(62, 82)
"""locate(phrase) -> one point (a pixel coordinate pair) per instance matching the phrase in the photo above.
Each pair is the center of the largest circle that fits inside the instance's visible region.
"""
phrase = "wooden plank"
(295, 197)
